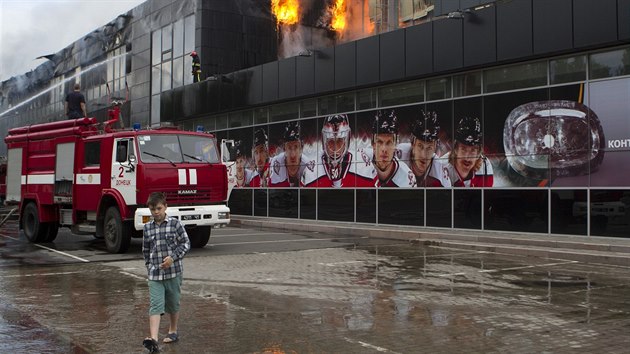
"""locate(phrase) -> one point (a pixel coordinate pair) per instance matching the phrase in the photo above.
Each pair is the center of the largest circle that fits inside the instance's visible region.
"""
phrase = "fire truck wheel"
(52, 229)
(199, 236)
(33, 229)
(117, 235)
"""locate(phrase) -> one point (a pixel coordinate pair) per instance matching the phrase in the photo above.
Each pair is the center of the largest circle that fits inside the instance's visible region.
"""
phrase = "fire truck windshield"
(177, 148)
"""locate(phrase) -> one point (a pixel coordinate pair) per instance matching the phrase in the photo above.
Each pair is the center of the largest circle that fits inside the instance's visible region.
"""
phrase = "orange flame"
(338, 10)
(286, 11)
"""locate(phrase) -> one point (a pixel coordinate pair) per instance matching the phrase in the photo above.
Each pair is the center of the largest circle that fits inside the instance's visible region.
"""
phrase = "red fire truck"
(94, 179)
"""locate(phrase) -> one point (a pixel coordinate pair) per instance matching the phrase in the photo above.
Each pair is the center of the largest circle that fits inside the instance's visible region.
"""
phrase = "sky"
(31, 28)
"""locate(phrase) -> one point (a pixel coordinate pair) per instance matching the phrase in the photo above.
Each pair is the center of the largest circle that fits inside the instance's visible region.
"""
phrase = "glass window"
(568, 211)
(308, 108)
(167, 38)
(567, 69)
(221, 122)
(178, 38)
(326, 105)
(610, 212)
(467, 84)
(401, 206)
(516, 210)
(366, 99)
(166, 76)
(92, 153)
(260, 116)
(285, 111)
(188, 78)
(409, 92)
(438, 89)
(283, 203)
(409, 10)
(609, 64)
(335, 204)
(189, 34)
(156, 79)
(178, 72)
(240, 202)
(156, 49)
(155, 109)
(515, 77)
(240, 119)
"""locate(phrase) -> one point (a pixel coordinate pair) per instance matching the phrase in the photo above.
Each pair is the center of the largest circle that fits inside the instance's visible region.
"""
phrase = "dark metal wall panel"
(345, 65)
(325, 70)
(467, 4)
(594, 22)
(254, 85)
(305, 75)
(367, 61)
(392, 55)
(270, 81)
(449, 6)
(623, 12)
(553, 25)
(286, 75)
(480, 32)
(448, 52)
(514, 29)
(419, 49)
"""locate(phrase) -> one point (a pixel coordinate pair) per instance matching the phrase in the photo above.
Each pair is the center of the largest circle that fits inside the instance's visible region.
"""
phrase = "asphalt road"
(264, 291)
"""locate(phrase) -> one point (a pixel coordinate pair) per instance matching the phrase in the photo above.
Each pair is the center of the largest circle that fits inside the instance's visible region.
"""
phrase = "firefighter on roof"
(196, 66)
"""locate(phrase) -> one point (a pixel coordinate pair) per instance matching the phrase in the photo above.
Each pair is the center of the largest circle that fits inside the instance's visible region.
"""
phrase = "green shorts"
(164, 295)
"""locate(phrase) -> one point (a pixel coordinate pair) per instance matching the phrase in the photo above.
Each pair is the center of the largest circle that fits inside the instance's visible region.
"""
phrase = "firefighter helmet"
(292, 131)
(193, 53)
(336, 127)
(385, 123)
(427, 127)
(468, 131)
(260, 137)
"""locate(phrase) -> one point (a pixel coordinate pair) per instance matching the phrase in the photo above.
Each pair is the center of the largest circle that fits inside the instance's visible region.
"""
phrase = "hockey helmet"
(427, 127)
(468, 131)
(385, 123)
(260, 137)
(336, 127)
(292, 131)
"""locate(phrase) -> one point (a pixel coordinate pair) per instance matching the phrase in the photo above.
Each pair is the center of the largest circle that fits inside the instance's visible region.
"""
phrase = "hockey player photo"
(420, 155)
(260, 152)
(287, 167)
(390, 172)
(335, 166)
(467, 166)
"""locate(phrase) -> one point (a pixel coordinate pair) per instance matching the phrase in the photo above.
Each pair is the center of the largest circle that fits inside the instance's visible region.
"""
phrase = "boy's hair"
(156, 198)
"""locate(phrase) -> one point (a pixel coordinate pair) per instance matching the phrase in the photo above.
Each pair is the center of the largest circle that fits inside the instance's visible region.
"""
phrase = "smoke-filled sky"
(32, 28)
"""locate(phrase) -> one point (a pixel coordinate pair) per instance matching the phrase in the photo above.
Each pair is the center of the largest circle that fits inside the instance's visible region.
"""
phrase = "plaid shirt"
(167, 239)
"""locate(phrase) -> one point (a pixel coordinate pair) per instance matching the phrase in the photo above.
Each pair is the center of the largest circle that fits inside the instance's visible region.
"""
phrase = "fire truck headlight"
(224, 215)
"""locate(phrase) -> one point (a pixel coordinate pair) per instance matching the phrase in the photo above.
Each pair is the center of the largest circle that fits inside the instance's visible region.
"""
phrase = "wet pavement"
(259, 291)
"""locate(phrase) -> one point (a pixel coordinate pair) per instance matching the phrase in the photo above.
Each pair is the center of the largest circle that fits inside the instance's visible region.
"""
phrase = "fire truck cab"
(75, 174)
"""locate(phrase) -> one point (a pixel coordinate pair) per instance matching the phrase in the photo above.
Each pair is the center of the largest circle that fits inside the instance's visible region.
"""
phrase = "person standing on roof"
(196, 66)
(75, 104)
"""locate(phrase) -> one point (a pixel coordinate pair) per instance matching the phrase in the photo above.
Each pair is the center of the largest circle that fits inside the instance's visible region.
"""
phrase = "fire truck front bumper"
(198, 215)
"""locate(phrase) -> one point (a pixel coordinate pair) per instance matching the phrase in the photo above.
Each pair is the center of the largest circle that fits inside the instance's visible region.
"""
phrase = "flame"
(286, 11)
(338, 11)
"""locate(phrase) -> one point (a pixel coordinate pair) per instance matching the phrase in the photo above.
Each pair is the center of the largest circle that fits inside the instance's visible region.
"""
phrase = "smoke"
(314, 30)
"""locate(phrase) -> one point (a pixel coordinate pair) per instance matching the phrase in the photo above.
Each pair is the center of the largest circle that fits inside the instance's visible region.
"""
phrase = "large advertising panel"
(566, 136)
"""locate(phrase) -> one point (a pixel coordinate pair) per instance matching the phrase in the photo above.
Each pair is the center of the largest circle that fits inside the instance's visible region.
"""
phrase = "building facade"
(486, 115)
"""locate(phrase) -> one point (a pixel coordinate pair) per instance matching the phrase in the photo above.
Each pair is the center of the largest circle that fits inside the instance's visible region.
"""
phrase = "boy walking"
(164, 244)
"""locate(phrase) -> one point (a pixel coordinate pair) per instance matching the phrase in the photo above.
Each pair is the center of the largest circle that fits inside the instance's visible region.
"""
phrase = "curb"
(586, 249)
